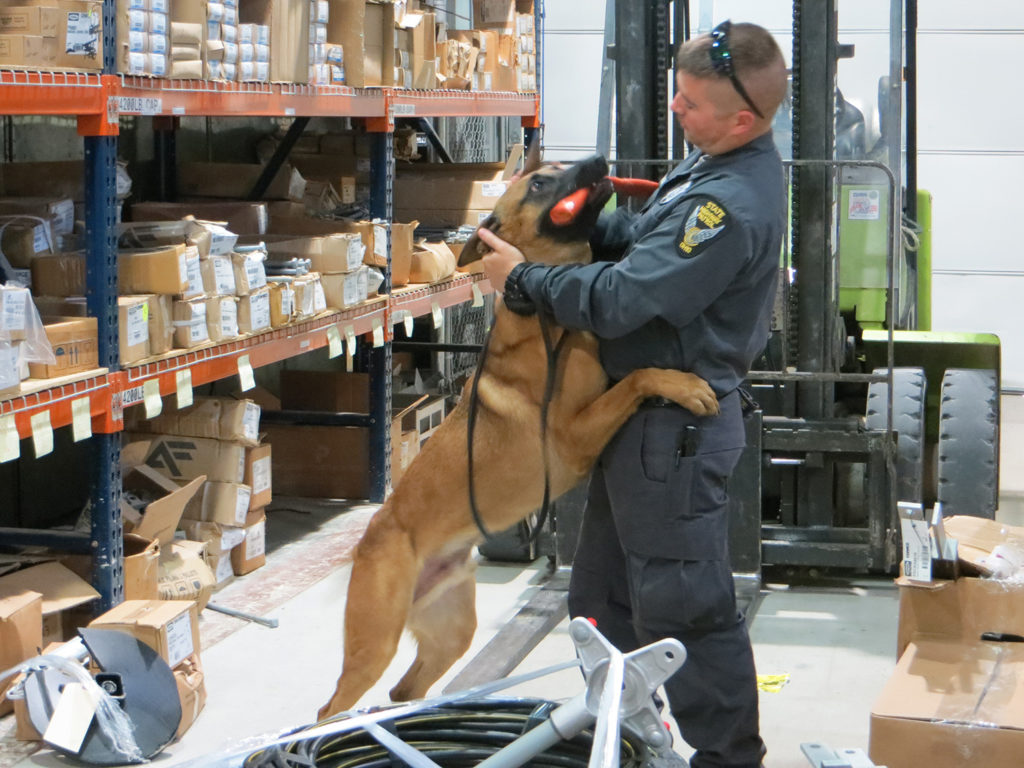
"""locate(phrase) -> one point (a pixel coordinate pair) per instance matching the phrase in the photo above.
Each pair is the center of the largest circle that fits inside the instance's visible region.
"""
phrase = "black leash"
(553, 351)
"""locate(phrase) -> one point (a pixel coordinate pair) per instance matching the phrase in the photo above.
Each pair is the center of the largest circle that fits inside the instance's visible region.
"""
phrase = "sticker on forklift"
(864, 205)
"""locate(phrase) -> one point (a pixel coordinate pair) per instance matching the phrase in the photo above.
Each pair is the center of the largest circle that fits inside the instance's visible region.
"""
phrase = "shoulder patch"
(705, 222)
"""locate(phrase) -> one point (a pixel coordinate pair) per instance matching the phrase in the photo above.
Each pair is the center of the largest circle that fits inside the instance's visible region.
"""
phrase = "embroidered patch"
(705, 221)
(673, 193)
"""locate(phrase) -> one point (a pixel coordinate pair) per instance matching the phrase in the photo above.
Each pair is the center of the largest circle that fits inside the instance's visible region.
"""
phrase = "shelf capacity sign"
(139, 105)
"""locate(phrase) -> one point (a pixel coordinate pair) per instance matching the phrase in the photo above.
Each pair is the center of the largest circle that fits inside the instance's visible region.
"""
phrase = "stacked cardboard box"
(319, 69)
(337, 260)
(254, 53)
(288, 22)
(51, 34)
(143, 39)
(186, 54)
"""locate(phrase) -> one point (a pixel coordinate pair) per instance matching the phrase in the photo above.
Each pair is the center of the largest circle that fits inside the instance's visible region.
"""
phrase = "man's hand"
(499, 262)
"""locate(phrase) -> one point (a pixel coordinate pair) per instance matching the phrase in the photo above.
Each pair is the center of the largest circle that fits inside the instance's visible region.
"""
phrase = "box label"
(224, 276)
(319, 299)
(287, 301)
(259, 305)
(255, 274)
(13, 310)
(179, 639)
(380, 242)
(493, 188)
(251, 422)
(228, 319)
(256, 540)
(224, 570)
(82, 38)
(137, 325)
(192, 272)
(261, 475)
(132, 396)
(9, 375)
(242, 504)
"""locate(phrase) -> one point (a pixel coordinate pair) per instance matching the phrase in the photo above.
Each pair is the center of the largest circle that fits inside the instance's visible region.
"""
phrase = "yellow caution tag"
(378, 332)
(435, 310)
(10, 445)
(42, 433)
(333, 342)
(183, 383)
(246, 378)
(772, 683)
(81, 420)
(478, 297)
(151, 398)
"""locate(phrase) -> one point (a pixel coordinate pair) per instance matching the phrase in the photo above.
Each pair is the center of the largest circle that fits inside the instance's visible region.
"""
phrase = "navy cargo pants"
(652, 562)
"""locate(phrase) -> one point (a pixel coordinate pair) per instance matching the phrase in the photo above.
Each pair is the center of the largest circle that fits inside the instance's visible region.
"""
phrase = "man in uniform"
(692, 290)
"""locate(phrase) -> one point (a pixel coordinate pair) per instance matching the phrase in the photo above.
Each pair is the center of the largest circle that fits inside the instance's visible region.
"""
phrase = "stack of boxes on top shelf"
(143, 37)
(216, 439)
(499, 54)
(253, 53)
(64, 35)
(319, 69)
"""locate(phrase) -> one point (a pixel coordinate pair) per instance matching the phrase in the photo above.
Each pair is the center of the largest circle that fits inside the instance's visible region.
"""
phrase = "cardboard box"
(74, 345)
(21, 632)
(23, 239)
(309, 296)
(345, 289)
(189, 458)
(254, 311)
(189, 318)
(191, 691)
(141, 568)
(251, 553)
(161, 324)
(169, 627)
(220, 540)
(61, 589)
(166, 506)
(222, 318)
(59, 274)
(218, 274)
(58, 210)
(185, 574)
(158, 270)
(250, 272)
(258, 475)
(346, 24)
(236, 180)
(56, 34)
(431, 262)
(216, 418)
(209, 238)
(224, 503)
(950, 704)
(341, 252)
(238, 216)
(282, 302)
(289, 22)
(133, 328)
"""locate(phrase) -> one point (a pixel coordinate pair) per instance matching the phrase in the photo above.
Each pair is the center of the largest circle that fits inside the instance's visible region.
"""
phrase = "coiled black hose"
(455, 735)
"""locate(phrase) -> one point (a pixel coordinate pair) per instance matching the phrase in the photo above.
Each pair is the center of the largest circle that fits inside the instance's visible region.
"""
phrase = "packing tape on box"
(378, 332)
(333, 342)
(151, 398)
(42, 433)
(183, 384)
(81, 420)
(435, 310)
(245, 374)
(10, 445)
(478, 297)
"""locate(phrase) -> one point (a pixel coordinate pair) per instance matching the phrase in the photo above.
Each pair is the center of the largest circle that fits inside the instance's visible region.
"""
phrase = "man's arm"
(612, 234)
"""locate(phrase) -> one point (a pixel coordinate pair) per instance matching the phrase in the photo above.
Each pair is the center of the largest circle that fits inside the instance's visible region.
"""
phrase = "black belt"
(659, 402)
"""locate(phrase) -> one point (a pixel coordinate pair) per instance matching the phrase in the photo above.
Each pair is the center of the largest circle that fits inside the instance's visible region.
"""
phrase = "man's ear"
(745, 120)
(474, 249)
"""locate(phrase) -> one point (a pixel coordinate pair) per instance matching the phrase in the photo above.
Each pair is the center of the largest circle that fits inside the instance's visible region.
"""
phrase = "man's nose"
(677, 105)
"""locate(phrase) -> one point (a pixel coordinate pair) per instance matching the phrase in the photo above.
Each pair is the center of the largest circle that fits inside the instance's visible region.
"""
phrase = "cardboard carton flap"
(14, 600)
(161, 517)
(964, 683)
(61, 588)
(977, 537)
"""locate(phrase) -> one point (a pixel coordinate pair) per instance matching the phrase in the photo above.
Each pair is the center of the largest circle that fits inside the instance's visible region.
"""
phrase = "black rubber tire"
(968, 446)
(908, 421)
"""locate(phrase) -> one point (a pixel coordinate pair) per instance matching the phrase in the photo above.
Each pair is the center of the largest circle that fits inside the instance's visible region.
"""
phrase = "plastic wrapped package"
(21, 325)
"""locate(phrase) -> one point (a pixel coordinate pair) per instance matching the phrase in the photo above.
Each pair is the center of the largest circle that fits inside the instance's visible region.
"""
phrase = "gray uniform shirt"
(695, 288)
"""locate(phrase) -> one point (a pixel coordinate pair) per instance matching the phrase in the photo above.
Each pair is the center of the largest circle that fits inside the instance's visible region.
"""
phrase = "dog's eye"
(537, 183)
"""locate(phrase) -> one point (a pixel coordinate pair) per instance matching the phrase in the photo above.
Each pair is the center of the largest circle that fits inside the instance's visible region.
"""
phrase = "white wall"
(970, 139)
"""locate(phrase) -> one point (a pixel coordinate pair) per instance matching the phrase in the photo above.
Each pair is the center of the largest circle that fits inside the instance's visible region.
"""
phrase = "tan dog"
(413, 566)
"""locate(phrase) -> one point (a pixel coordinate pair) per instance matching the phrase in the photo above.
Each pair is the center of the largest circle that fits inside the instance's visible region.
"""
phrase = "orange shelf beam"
(221, 361)
(463, 104)
(52, 93)
(420, 300)
(43, 395)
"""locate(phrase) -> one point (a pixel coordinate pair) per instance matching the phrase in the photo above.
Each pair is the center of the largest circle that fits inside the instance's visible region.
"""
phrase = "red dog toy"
(565, 210)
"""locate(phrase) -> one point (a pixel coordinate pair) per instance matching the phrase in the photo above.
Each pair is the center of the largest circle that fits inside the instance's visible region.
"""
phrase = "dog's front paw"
(689, 391)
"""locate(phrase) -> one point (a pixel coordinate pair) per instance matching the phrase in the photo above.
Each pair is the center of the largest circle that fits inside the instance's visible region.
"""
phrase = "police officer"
(693, 291)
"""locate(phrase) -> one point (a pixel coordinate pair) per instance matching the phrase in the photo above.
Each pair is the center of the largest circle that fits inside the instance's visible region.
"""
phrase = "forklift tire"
(908, 421)
(968, 443)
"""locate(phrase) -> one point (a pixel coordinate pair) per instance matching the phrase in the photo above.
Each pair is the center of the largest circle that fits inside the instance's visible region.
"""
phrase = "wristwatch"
(515, 298)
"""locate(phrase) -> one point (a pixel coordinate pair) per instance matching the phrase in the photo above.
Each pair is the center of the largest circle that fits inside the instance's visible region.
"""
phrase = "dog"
(413, 566)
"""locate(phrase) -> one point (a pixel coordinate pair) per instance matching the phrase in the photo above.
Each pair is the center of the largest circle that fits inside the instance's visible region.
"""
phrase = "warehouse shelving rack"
(98, 101)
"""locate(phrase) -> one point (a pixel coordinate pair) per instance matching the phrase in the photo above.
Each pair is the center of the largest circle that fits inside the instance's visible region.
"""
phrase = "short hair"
(753, 51)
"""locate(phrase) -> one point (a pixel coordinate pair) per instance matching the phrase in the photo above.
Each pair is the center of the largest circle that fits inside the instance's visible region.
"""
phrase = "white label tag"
(255, 273)
(10, 445)
(137, 105)
(245, 374)
(82, 36)
(224, 276)
(256, 540)
(319, 297)
(42, 433)
(404, 110)
(71, 719)
(408, 324)
(183, 386)
(493, 188)
(242, 504)
(179, 639)
(81, 421)
(333, 342)
(14, 310)
(10, 375)
(151, 397)
(251, 422)
(261, 475)
(287, 301)
(198, 331)
(224, 570)
(261, 311)
(378, 332)
(193, 274)
(478, 296)
(438, 315)
(228, 319)
(380, 242)
(137, 325)
(917, 550)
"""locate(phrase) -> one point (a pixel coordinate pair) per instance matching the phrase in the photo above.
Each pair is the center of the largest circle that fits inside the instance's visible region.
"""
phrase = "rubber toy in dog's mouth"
(565, 210)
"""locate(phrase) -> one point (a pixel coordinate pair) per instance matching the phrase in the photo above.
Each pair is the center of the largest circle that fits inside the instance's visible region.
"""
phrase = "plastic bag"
(374, 278)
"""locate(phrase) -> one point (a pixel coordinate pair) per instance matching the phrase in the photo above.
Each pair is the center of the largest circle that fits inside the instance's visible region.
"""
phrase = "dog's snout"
(592, 169)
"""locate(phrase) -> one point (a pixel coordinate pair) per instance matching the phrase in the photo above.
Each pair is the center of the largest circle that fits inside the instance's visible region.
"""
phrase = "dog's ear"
(474, 249)
(532, 162)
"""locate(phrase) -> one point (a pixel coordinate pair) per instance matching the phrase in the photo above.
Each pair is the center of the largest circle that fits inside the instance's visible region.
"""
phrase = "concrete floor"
(834, 637)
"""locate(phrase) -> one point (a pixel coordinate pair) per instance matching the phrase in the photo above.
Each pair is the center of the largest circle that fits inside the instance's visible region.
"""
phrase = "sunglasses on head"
(721, 61)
